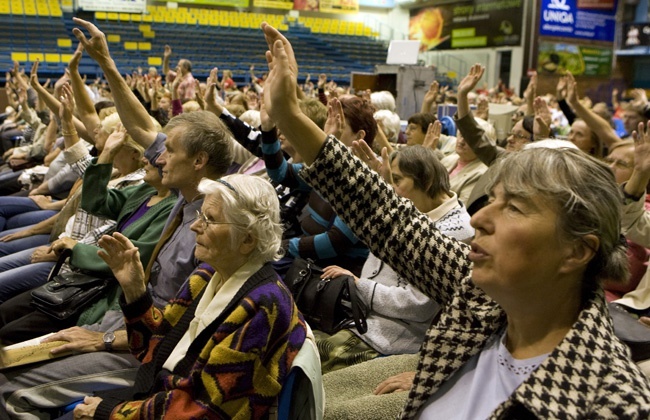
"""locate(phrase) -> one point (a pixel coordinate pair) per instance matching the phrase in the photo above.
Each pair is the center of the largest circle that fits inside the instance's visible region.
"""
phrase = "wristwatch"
(108, 339)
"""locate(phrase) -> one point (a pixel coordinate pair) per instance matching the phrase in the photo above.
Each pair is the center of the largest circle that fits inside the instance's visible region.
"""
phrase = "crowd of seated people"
(196, 196)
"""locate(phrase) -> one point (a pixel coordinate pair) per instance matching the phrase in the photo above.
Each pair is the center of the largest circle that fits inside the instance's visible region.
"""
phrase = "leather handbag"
(67, 294)
(629, 330)
(328, 305)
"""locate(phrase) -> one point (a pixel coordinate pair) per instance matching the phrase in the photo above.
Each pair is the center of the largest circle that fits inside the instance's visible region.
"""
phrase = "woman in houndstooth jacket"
(524, 332)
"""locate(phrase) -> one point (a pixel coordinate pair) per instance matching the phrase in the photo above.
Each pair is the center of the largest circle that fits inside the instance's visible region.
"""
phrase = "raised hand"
(73, 65)
(432, 93)
(123, 258)
(199, 95)
(167, 52)
(571, 89)
(96, 46)
(322, 80)
(66, 109)
(280, 86)
(432, 137)
(33, 75)
(265, 121)
(642, 149)
(335, 123)
(561, 88)
(531, 89)
(482, 108)
(543, 119)
(470, 81)
(114, 144)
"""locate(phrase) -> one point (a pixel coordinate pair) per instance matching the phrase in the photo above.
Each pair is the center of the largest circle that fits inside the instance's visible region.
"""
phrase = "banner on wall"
(228, 3)
(339, 6)
(308, 5)
(125, 6)
(388, 4)
(567, 18)
(274, 4)
(636, 35)
(578, 59)
(470, 24)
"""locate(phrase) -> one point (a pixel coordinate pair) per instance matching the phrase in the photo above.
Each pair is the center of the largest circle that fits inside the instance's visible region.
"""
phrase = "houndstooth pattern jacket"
(589, 374)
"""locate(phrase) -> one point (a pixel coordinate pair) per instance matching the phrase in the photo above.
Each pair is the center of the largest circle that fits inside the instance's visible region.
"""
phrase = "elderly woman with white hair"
(524, 330)
(223, 347)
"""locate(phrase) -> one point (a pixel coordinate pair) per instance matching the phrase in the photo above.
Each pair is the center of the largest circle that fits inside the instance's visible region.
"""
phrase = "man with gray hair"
(192, 147)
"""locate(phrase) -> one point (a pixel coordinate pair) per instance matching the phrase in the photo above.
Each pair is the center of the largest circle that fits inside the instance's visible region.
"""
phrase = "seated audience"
(528, 290)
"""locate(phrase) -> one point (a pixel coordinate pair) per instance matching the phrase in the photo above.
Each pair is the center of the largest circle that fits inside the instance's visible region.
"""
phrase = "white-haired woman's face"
(213, 237)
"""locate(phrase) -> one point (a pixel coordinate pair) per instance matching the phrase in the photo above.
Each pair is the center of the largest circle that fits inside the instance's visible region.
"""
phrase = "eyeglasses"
(519, 137)
(620, 164)
(205, 221)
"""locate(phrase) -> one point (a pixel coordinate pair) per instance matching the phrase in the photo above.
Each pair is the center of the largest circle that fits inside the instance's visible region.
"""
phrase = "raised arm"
(83, 103)
(166, 56)
(598, 125)
(435, 263)
(132, 113)
(53, 104)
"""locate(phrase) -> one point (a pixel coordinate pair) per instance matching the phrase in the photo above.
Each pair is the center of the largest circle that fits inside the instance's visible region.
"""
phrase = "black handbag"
(328, 305)
(67, 294)
(629, 330)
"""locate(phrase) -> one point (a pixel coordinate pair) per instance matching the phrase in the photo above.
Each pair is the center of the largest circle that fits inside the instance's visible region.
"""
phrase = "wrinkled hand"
(16, 235)
(432, 137)
(364, 152)
(642, 148)
(399, 382)
(542, 122)
(86, 411)
(115, 141)
(470, 81)
(123, 258)
(42, 201)
(432, 93)
(43, 254)
(382, 166)
(78, 340)
(66, 107)
(96, 46)
(73, 65)
(335, 271)
(60, 244)
(335, 123)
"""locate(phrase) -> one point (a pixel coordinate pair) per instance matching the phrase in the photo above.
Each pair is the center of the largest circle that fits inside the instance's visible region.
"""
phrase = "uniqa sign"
(558, 16)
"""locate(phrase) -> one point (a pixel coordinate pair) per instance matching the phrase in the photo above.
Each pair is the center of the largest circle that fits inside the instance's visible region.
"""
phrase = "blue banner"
(565, 19)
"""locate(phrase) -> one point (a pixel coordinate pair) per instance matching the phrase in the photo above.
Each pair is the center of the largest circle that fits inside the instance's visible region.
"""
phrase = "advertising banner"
(229, 3)
(125, 6)
(387, 4)
(580, 60)
(339, 6)
(566, 18)
(469, 24)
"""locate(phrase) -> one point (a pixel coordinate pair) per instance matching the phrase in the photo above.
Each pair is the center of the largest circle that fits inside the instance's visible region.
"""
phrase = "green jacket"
(117, 205)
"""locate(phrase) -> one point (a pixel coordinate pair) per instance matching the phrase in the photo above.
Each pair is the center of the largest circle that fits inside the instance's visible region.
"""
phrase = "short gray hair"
(204, 132)
(391, 123)
(423, 166)
(383, 100)
(252, 205)
(585, 195)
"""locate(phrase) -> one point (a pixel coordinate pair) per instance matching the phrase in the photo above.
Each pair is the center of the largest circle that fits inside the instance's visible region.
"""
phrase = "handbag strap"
(357, 312)
(65, 254)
